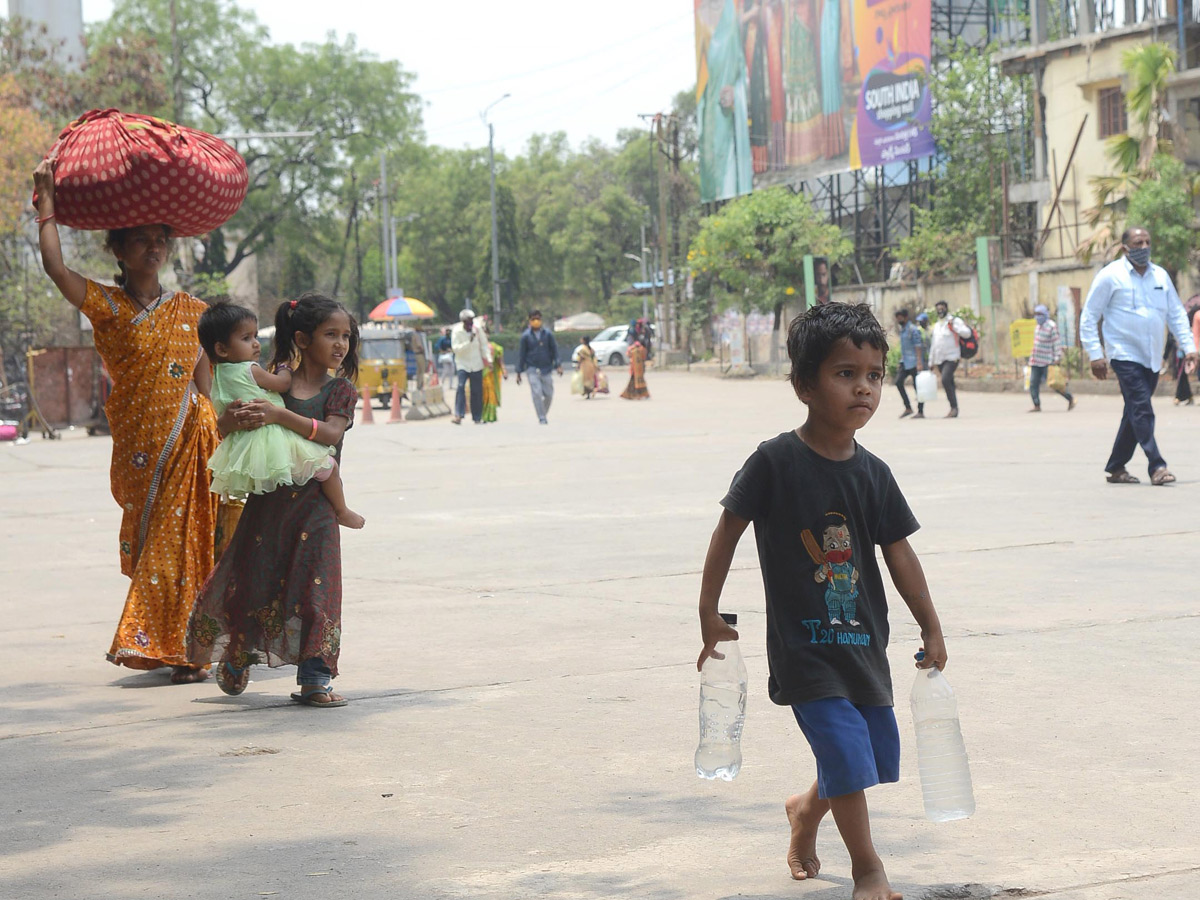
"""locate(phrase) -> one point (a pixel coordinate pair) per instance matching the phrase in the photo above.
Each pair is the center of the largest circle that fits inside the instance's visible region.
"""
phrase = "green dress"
(258, 461)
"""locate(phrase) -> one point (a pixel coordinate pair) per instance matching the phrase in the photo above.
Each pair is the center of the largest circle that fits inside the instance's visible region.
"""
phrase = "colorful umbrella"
(400, 308)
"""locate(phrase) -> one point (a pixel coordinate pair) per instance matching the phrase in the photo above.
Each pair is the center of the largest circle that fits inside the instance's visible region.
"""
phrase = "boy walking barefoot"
(820, 503)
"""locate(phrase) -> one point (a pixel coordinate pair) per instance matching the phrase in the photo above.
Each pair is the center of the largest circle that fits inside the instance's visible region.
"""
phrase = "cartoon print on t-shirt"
(835, 568)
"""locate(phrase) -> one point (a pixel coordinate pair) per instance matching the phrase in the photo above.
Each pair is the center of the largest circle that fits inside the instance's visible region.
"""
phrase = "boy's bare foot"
(873, 885)
(348, 518)
(802, 851)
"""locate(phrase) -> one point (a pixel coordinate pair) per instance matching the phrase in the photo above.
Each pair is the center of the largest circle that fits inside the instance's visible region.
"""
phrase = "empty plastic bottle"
(722, 711)
(941, 754)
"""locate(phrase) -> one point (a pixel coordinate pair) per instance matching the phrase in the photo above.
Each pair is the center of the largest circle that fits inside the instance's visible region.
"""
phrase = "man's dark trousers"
(460, 398)
(1137, 421)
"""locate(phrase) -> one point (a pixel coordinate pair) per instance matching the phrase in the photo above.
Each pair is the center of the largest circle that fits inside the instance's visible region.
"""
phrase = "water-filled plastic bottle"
(941, 754)
(926, 387)
(722, 711)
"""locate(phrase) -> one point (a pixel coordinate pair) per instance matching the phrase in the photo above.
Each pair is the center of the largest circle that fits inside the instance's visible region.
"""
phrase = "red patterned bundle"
(121, 170)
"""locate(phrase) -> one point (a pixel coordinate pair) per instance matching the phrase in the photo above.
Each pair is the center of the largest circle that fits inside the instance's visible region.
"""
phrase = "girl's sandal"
(232, 680)
(308, 699)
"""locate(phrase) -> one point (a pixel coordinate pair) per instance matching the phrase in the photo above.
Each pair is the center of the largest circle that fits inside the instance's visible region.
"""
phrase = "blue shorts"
(856, 747)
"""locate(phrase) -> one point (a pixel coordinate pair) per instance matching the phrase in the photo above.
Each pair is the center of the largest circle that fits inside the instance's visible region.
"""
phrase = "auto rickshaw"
(389, 355)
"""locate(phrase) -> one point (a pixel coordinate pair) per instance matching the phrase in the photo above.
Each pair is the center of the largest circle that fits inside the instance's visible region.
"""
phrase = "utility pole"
(495, 231)
(664, 259)
(644, 250)
(362, 307)
(176, 67)
(678, 243)
(495, 234)
(396, 259)
(385, 219)
(642, 260)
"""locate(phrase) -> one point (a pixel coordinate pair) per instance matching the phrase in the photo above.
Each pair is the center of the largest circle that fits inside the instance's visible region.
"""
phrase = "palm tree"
(1132, 154)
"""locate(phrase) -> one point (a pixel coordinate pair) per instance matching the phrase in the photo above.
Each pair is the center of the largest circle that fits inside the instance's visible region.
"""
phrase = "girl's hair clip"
(292, 304)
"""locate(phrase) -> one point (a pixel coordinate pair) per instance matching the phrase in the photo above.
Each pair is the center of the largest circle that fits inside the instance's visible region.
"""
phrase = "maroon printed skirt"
(275, 597)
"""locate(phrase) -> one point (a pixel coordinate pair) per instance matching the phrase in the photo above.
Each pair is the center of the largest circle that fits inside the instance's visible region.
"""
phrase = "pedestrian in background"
(944, 351)
(912, 360)
(1047, 351)
(1183, 386)
(538, 358)
(1137, 303)
(587, 367)
(472, 354)
(493, 375)
(636, 389)
(445, 359)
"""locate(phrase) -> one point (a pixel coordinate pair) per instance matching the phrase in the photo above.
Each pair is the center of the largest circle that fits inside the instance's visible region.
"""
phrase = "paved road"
(519, 647)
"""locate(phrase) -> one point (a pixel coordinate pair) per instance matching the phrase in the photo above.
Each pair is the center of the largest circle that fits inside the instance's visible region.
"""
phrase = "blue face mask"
(1139, 256)
(1041, 318)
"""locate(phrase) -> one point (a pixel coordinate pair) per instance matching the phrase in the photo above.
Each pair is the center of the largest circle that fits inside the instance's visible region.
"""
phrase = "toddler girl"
(258, 461)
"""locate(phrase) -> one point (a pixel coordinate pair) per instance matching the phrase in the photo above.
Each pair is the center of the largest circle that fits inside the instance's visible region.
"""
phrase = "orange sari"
(163, 433)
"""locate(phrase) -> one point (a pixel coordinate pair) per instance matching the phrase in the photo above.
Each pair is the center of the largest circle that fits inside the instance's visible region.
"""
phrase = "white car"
(610, 345)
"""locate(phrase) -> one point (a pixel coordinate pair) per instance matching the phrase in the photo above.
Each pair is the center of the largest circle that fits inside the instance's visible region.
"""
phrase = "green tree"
(528, 178)
(232, 80)
(589, 219)
(1162, 204)
(755, 246)
(447, 192)
(975, 109)
(1137, 157)
(508, 258)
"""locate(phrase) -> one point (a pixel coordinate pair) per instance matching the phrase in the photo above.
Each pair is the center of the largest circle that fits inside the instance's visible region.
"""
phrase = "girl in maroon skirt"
(275, 598)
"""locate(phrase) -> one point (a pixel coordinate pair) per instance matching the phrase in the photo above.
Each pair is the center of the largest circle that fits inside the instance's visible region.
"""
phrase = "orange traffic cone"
(368, 417)
(397, 414)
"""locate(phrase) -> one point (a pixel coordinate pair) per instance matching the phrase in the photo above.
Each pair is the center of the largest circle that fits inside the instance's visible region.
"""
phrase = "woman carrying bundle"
(163, 432)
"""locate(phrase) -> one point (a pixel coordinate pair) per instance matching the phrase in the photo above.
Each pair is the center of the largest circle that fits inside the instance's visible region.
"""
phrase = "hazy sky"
(587, 68)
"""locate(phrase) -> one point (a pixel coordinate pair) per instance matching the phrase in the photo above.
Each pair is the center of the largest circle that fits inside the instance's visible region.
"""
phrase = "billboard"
(789, 89)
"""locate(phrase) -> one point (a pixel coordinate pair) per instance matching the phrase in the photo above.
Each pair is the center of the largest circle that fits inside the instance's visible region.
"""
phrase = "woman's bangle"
(316, 425)
(43, 219)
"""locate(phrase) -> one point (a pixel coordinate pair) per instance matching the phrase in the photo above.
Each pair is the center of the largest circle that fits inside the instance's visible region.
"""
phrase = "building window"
(1113, 118)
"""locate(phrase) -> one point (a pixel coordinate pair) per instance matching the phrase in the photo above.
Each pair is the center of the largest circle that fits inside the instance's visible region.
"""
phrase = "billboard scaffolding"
(871, 198)
(791, 89)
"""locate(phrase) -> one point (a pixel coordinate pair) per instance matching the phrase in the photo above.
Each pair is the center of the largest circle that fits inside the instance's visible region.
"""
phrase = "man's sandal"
(1162, 476)
(1122, 477)
(321, 690)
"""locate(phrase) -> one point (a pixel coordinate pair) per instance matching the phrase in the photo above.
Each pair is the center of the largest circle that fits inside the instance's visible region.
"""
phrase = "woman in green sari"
(492, 376)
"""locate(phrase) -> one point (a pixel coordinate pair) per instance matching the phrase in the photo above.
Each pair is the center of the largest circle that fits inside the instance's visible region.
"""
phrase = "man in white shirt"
(944, 352)
(472, 352)
(1137, 302)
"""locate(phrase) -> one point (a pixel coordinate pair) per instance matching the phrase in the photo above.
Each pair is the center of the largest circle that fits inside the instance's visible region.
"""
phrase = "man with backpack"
(946, 349)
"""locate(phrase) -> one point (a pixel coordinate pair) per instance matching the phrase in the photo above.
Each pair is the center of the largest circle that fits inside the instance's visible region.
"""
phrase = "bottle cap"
(919, 655)
(730, 618)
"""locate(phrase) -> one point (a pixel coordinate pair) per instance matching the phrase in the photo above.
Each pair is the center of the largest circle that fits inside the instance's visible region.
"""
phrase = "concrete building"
(1080, 103)
(63, 22)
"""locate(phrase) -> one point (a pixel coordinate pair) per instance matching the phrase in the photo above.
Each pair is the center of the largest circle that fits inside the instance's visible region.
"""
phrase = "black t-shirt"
(817, 522)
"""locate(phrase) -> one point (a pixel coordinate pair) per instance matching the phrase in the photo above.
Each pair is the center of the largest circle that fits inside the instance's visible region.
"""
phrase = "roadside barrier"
(368, 418)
